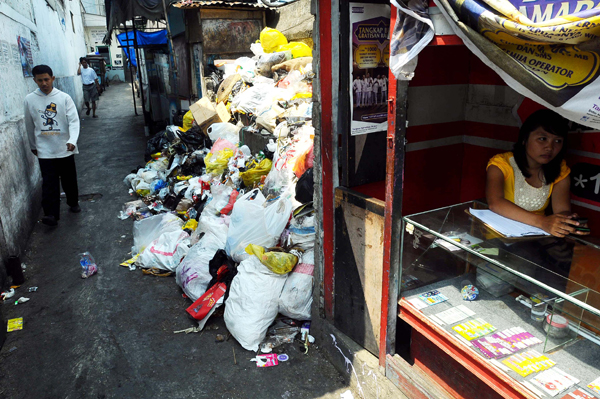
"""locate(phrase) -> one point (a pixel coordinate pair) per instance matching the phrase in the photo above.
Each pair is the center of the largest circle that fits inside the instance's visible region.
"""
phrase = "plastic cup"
(538, 311)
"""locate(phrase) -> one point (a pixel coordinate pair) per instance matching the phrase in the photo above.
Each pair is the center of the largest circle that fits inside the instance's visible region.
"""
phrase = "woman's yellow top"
(506, 163)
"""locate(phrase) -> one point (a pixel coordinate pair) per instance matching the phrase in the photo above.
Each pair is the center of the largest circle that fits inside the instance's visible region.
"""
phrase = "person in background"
(368, 89)
(374, 93)
(52, 125)
(357, 91)
(90, 85)
(522, 184)
(383, 86)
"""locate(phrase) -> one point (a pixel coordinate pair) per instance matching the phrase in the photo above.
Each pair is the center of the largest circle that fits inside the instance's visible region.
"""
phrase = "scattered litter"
(88, 264)
(8, 294)
(21, 300)
(15, 324)
(33, 289)
(283, 357)
(347, 395)
(130, 263)
(224, 202)
(265, 360)
(188, 330)
(14, 348)
(220, 338)
(23, 266)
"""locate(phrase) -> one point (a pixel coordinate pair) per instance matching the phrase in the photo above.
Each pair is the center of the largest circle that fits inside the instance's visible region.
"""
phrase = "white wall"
(95, 23)
(57, 42)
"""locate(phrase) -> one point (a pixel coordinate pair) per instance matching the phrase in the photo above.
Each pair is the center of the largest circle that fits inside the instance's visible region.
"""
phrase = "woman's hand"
(560, 225)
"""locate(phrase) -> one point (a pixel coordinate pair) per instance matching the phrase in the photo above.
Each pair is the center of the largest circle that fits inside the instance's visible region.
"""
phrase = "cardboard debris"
(206, 114)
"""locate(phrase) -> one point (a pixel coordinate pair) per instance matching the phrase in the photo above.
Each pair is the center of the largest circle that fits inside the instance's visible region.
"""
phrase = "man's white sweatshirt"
(52, 122)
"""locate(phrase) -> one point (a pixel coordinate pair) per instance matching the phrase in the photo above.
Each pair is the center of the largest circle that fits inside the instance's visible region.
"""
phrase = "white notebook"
(506, 227)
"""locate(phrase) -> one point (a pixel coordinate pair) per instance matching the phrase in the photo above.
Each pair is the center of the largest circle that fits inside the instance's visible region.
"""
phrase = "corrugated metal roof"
(185, 4)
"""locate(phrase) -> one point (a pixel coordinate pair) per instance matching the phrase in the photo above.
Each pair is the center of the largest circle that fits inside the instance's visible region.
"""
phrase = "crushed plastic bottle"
(21, 300)
(8, 294)
(88, 264)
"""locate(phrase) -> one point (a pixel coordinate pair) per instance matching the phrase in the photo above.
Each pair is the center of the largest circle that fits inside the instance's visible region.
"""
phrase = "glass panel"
(546, 267)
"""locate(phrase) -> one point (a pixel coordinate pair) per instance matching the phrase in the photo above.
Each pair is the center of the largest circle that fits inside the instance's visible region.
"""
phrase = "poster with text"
(547, 51)
(369, 66)
(25, 55)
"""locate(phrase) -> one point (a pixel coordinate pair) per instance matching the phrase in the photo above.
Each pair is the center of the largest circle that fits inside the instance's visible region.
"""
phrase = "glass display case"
(538, 301)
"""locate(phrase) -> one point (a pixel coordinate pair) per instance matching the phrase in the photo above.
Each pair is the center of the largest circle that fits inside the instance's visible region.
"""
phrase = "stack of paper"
(505, 226)
(554, 381)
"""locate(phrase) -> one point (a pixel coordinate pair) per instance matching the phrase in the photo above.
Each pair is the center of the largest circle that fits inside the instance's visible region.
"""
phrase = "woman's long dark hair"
(551, 122)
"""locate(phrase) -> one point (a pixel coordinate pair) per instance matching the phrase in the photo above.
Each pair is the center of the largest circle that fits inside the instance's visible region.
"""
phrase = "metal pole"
(131, 70)
(137, 56)
(173, 57)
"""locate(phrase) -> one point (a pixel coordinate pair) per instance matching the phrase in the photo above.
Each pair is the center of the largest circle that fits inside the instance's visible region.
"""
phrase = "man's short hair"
(81, 59)
(41, 69)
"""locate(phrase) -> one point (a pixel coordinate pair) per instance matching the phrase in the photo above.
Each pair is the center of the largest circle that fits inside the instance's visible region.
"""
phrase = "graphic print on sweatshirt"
(50, 124)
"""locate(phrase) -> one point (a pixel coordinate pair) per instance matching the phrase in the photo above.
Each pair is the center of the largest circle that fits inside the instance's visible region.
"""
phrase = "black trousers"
(55, 172)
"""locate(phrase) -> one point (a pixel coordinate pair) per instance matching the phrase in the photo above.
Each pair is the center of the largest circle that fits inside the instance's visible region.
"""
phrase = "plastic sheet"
(271, 39)
(277, 262)
(166, 251)
(255, 222)
(216, 164)
(147, 230)
(252, 304)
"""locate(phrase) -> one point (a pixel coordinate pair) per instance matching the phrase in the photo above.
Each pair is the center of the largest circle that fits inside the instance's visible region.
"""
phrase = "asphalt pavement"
(112, 335)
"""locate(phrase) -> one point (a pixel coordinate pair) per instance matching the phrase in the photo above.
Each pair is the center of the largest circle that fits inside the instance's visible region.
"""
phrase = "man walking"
(90, 85)
(52, 127)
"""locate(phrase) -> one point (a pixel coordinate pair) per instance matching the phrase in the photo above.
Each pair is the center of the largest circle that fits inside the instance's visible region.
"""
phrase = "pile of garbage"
(234, 224)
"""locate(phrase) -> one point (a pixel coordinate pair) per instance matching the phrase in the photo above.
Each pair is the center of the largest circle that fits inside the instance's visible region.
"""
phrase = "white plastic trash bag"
(147, 230)
(166, 251)
(255, 221)
(225, 131)
(302, 232)
(296, 300)
(252, 304)
(193, 274)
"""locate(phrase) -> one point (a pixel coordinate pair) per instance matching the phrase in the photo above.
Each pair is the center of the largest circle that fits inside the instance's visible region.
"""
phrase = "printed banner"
(412, 32)
(547, 51)
(25, 55)
(369, 66)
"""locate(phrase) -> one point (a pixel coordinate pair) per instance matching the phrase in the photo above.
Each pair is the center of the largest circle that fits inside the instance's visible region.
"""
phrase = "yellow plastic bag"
(191, 224)
(271, 39)
(188, 119)
(252, 176)
(277, 262)
(298, 49)
(217, 163)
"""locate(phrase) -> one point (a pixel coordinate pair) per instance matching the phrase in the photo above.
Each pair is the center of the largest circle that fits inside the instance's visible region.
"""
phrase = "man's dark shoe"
(49, 220)
(75, 209)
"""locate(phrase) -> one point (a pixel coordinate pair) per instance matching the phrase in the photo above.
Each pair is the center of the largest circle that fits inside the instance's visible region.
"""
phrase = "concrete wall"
(56, 40)
(294, 20)
(94, 32)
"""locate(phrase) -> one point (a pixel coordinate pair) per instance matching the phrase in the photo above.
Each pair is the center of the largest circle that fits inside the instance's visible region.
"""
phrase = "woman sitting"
(522, 183)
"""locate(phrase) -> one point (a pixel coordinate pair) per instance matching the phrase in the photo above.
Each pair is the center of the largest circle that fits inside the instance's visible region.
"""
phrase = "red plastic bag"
(227, 209)
(304, 162)
(202, 307)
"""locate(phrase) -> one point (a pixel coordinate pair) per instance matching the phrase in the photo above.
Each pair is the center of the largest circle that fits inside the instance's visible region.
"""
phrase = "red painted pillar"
(393, 209)
(325, 68)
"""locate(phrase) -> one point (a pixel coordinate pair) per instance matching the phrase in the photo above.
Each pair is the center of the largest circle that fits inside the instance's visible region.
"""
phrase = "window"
(73, 22)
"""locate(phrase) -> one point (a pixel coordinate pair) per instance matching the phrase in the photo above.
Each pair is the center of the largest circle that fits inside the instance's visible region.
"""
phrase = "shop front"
(399, 239)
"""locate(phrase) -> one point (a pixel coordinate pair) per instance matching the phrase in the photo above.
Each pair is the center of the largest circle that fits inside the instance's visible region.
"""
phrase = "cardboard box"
(206, 114)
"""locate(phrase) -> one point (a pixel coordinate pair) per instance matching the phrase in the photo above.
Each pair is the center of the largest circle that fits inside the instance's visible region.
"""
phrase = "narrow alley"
(112, 335)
